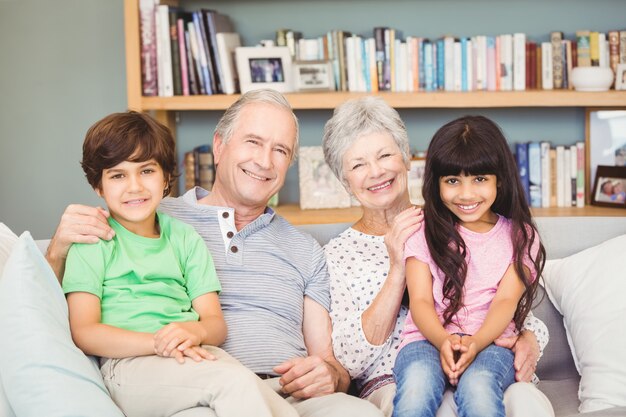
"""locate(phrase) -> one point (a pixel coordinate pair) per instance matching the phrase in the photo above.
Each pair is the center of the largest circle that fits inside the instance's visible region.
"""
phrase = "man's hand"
(79, 224)
(526, 350)
(307, 377)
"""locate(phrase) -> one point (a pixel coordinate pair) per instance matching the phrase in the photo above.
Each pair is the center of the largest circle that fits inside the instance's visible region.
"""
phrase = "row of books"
(385, 62)
(552, 176)
(199, 168)
(186, 53)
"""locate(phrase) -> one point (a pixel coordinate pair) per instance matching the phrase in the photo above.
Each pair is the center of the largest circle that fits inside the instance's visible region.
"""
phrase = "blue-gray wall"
(63, 68)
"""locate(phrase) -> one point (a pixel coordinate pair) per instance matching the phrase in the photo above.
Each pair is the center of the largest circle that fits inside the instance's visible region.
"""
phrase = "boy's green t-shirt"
(144, 283)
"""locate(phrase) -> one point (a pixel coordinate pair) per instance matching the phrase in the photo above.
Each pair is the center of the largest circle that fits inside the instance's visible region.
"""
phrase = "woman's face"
(375, 171)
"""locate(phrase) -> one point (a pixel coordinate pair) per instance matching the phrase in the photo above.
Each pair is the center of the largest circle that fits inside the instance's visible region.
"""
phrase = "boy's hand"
(176, 337)
(449, 353)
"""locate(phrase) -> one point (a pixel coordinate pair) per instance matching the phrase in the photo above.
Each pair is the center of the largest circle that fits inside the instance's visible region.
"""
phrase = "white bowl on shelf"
(592, 78)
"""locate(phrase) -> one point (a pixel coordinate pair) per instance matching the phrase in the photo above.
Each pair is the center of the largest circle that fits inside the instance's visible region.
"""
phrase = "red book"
(532, 67)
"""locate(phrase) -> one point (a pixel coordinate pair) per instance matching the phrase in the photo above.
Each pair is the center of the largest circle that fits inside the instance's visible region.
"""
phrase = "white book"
(469, 67)
(546, 174)
(560, 176)
(163, 18)
(308, 49)
(580, 174)
(401, 66)
(547, 78)
(506, 62)
(458, 70)
(448, 67)
(481, 62)
(567, 179)
(603, 45)
(226, 44)
(409, 63)
(519, 61)
(353, 84)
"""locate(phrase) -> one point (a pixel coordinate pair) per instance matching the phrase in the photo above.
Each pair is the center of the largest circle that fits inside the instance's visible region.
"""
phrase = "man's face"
(252, 166)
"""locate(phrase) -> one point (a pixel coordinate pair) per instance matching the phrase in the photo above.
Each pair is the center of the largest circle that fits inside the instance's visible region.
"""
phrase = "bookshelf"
(165, 108)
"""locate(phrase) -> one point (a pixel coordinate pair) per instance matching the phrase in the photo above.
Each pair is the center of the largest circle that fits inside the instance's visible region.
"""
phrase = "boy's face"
(132, 192)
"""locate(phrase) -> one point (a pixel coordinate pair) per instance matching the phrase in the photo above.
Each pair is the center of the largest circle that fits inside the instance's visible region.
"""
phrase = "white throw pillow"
(7, 241)
(43, 372)
(589, 288)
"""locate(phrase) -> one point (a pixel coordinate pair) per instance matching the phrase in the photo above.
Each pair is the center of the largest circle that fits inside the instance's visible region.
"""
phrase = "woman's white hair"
(226, 124)
(356, 118)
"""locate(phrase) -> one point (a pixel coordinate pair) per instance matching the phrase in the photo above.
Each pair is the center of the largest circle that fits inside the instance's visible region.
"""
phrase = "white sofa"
(562, 237)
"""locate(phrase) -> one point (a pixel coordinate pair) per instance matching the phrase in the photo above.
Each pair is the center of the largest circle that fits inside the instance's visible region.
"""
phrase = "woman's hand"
(404, 225)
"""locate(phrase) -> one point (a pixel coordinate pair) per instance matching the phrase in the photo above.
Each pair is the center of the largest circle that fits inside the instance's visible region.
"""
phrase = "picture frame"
(319, 188)
(620, 77)
(313, 76)
(605, 141)
(609, 189)
(264, 67)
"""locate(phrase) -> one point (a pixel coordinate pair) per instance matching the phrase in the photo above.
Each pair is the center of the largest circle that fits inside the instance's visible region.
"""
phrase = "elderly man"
(275, 291)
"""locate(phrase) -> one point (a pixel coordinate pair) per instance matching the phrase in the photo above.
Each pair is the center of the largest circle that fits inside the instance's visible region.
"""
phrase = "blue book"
(521, 156)
(534, 173)
(441, 66)
(428, 65)
(420, 48)
(464, 64)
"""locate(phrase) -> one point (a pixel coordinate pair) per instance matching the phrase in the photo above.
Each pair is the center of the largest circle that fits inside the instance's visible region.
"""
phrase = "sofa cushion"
(43, 372)
(588, 289)
(7, 241)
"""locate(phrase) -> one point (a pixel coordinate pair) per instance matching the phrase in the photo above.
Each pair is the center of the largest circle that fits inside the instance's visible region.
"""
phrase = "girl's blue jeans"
(421, 382)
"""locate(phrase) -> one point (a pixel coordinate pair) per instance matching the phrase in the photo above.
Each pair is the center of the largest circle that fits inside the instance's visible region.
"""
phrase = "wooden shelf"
(296, 216)
(474, 99)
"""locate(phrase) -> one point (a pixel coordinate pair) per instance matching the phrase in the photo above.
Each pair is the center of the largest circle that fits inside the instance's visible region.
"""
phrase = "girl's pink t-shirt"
(488, 257)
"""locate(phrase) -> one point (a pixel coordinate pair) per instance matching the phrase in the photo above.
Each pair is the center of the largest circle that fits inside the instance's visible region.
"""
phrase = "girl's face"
(375, 171)
(132, 192)
(470, 197)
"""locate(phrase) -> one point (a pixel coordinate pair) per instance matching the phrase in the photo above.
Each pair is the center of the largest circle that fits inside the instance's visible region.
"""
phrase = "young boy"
(148, 299)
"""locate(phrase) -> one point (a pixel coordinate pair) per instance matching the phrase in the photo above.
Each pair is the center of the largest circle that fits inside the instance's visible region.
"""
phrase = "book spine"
(584, 51)
(560, 176)
(547, 78)
(603, 46)
(148, 35)
(557, 59)
(469, 69)
(622, 47)
(546, 175)
(553, 179)
(448, 63)
(519, 61)
(521, 156)
(195, 53)
(491, 63)
(428, 65)
(594, 49)
(194, 88)
(506, 59)
(534, 174)
(166, 50)
(567, 177)
(573, 173)
(458, 66)
(580, 174)
(569, 63)
(182, 49)
(202, 53)
(614, 50)
(379, 38)
(175, 51)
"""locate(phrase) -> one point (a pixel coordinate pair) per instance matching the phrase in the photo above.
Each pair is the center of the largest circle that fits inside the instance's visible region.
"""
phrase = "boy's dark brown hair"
(128, 136)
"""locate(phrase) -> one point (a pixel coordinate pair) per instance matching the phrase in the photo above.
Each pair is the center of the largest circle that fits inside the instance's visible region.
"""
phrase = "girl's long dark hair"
(474, 145)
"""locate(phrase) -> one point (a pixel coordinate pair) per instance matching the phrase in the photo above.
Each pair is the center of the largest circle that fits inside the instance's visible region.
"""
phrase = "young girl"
(471, 274)
(146, 300)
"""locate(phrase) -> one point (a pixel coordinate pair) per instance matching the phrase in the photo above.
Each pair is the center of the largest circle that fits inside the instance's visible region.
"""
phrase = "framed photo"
(264, 67)
(313, 76)
(605, 141)
(620, 77)
(319, 188)
(609, 188)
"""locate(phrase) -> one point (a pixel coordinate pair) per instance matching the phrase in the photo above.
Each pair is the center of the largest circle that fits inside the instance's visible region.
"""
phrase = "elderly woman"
(366, 145)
